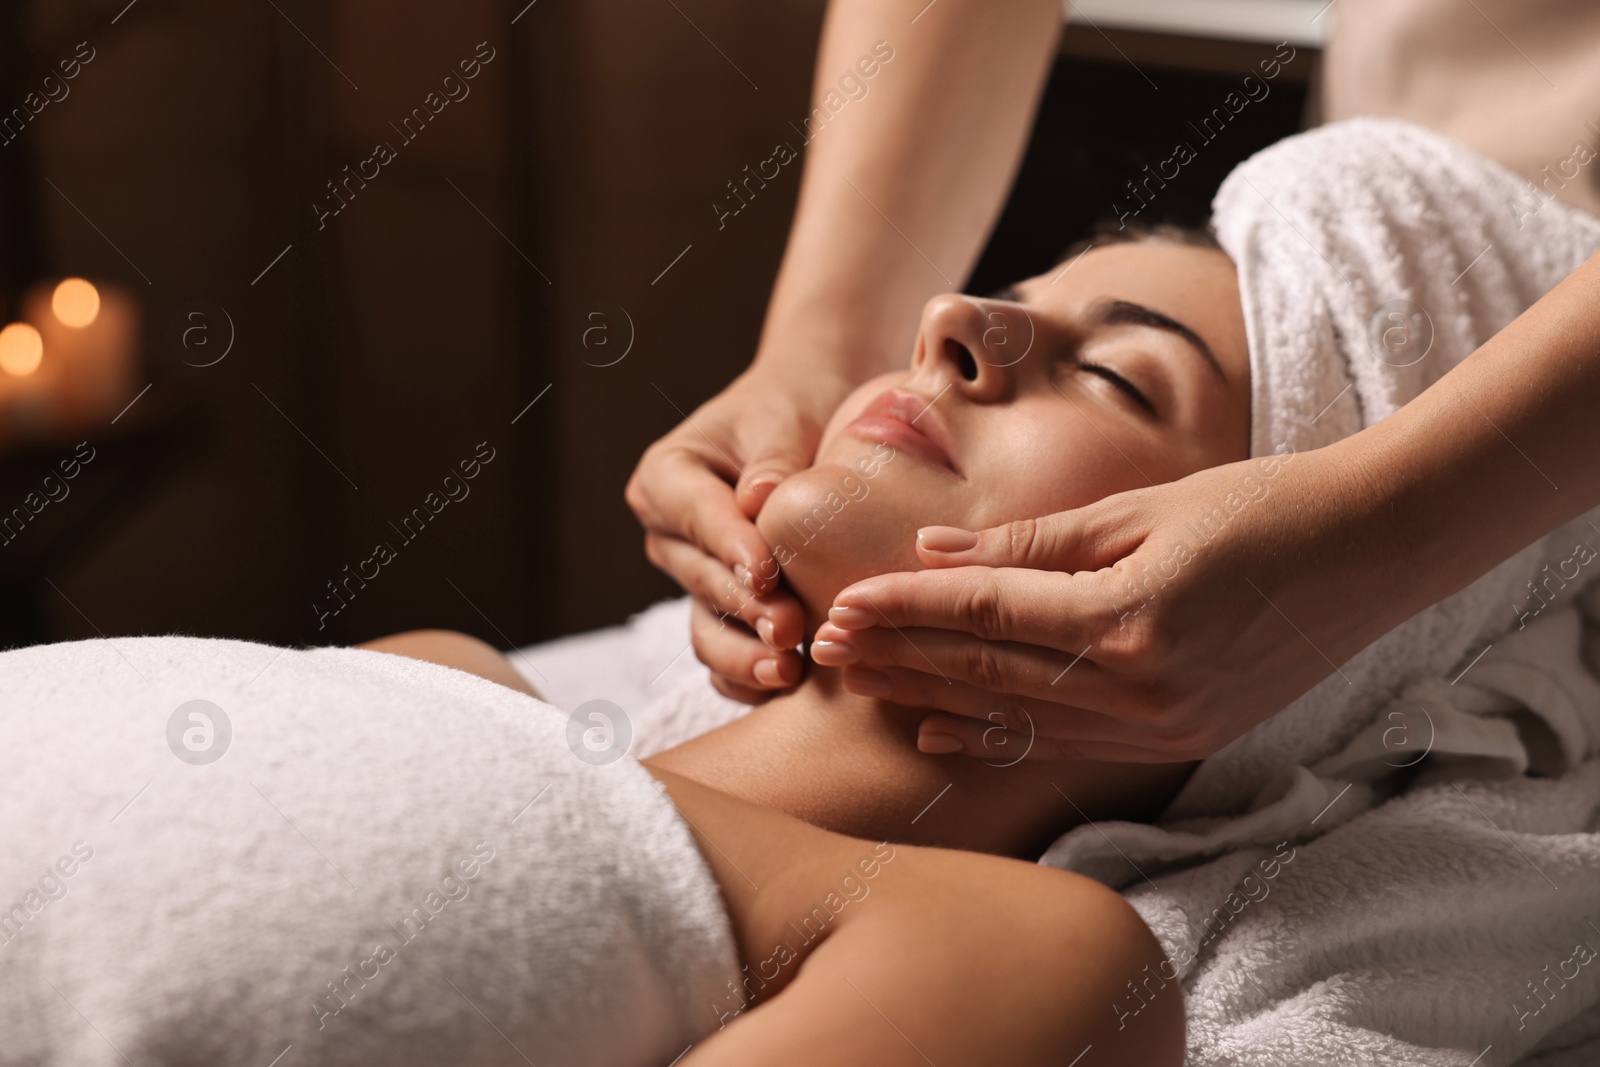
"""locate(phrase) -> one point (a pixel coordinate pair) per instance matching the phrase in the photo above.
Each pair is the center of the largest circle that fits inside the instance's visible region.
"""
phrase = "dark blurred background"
(302, 379)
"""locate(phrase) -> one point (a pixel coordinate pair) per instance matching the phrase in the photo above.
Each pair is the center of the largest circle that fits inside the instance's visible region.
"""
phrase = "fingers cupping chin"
(758, 482)
(742, 665)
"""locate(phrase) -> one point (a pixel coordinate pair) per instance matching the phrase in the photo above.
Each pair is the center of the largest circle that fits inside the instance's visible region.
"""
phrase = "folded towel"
(365, 857)
(1373, 256)
(645, 668)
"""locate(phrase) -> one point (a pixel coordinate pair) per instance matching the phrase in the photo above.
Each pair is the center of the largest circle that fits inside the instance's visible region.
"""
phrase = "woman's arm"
(899, 191)
(1502, 449)
(1354, 539)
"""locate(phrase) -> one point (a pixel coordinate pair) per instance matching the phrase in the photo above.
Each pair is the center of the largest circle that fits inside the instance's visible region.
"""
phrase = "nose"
(976, 346)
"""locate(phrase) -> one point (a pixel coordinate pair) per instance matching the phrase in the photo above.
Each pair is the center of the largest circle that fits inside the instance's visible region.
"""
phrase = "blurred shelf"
(1302, 23)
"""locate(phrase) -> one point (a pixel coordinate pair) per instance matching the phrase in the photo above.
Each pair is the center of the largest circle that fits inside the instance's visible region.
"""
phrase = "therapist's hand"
(1154, 625)
(696, 491)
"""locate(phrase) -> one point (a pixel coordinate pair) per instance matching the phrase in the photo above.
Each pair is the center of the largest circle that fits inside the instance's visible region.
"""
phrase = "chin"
(830, 526)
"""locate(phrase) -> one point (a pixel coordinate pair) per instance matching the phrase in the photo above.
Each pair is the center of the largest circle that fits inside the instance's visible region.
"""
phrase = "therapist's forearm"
(1497, 453)
(929, 152)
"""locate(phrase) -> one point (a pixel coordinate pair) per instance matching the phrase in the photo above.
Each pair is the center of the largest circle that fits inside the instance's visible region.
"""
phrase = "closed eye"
(1127, 387)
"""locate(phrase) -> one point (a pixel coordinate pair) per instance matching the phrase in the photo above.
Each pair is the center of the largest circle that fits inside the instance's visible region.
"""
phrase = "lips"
(907, 421)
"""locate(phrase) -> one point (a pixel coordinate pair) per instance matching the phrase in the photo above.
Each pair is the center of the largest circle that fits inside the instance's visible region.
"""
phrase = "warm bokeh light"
(75, 302)
(21, 349)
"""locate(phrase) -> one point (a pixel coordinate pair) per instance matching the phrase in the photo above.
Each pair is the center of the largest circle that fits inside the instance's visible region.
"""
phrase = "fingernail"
(869, 684)
(829, 632)
(852, 618)
(937, 744)
(767, 673)
(766, 628)
(764, 480)
(946, 539)
(833, 653)
(744, 577)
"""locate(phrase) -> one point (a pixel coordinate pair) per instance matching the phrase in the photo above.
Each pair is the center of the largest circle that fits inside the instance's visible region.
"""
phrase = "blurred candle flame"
(75, 302)
(21, 349)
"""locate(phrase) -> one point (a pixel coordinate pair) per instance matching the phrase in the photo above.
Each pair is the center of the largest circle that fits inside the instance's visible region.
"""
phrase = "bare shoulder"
(448, 648)
(866, 952)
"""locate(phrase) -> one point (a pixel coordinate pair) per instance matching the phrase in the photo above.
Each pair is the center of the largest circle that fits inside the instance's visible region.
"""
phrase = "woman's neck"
(850, 764)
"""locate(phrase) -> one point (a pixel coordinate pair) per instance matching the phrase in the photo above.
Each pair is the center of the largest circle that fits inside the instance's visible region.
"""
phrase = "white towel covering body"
(392, 862)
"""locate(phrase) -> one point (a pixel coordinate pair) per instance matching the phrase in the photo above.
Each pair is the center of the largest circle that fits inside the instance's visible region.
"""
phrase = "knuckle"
(708, 651)
(982, 610)
(655, 553)
(1022, 539)
(701, 628)
(722, 603)
(1140, 643)
(702, 587)
(634, 492)
(1120, 647)
(689, 528)
(702, 591)
(982, 666)
(694, 583)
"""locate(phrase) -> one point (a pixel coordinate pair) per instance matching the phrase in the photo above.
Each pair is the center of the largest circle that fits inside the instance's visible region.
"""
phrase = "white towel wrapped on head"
(1374, 256)
(1312, 915)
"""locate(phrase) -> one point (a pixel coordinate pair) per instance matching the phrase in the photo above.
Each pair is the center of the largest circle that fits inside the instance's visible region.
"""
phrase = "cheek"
(824, 539)
(1055, 460)
(821, 522)
(792, 497)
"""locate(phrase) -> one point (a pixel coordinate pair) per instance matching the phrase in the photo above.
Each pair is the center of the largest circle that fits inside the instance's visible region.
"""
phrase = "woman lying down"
(220, 852)
(395, 862)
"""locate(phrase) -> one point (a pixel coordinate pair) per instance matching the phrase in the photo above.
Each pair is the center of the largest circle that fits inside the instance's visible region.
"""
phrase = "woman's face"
(1126, 368)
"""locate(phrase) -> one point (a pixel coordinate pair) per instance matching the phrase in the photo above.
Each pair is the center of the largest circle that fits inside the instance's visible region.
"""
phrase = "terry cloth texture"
(1373, 257)
(391, 862)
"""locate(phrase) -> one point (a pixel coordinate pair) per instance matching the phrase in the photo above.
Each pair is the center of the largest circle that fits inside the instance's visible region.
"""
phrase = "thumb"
(1066, 541)
(764, 474)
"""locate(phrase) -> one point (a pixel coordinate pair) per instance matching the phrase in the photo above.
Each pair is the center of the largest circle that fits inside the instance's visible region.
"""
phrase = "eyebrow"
(1127, 313)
